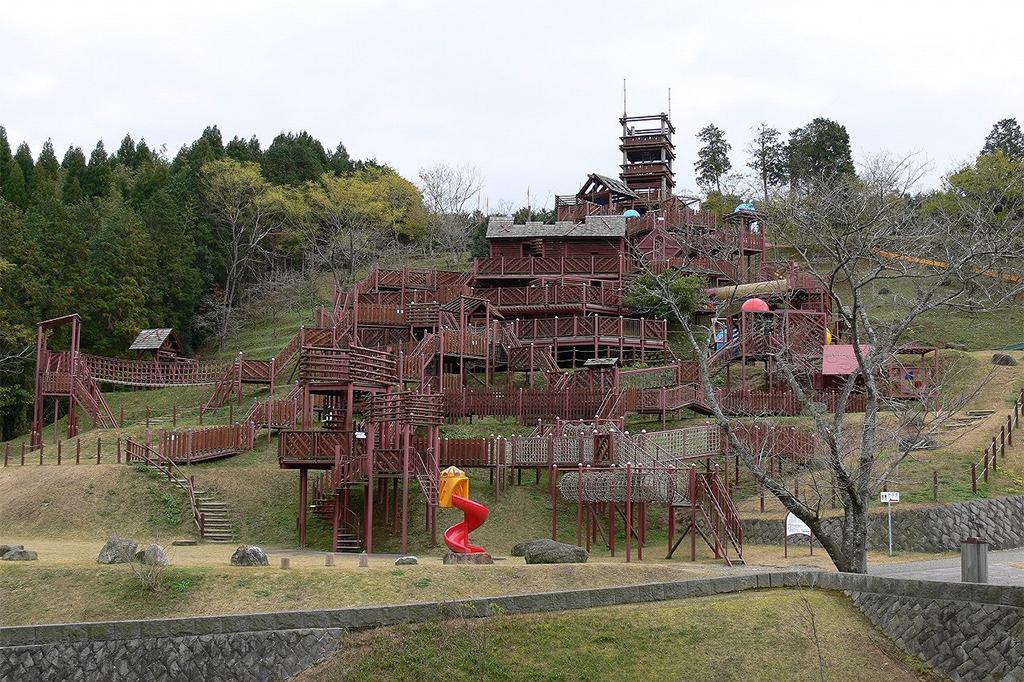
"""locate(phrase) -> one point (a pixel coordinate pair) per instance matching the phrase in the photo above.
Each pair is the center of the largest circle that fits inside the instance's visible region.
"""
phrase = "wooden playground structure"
(538, 331)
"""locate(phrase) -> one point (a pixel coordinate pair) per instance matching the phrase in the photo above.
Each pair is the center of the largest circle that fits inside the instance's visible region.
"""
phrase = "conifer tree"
(1005, 137)
(14, 189)
(5, 154)
(48, 181)
(98, 172)
(74, 175)
(23, 157)
(126, 153)
(712, 158)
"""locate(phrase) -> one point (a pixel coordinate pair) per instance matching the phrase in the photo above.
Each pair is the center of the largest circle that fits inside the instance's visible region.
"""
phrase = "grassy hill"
(752, 636)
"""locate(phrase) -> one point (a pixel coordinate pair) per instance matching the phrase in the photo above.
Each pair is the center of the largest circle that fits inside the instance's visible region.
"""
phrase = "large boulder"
(19, 555)
(406, 561)
(477, 558)
(1003, 359)
(154, 555)
(117, 551)
(4, 549)
(249, 555)
(520, 549)
(551, 552)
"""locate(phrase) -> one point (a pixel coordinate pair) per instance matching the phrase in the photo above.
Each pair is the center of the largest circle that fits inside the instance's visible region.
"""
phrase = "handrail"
(136, 451)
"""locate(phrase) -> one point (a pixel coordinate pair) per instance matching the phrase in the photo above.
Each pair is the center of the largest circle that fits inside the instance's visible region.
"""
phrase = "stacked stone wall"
(923, 529)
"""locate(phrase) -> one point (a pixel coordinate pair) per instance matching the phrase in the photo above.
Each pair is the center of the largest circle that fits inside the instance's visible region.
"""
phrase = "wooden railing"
(136, 452)
(552, 295)
(152, 373)
(525, 404)
(592, 326)
(560, 265)
(313, 448)
(194, 445)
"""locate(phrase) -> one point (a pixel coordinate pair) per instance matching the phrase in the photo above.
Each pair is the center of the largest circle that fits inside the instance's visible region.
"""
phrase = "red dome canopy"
(754, 305)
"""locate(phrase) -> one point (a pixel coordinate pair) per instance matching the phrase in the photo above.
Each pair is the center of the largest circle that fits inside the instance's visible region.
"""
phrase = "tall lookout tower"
(647, 155)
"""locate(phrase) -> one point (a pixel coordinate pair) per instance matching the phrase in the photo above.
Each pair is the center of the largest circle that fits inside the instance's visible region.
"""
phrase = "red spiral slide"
(457, 537)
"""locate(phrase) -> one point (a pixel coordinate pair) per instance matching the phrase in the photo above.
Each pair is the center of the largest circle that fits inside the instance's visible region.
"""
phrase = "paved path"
(1005, 567)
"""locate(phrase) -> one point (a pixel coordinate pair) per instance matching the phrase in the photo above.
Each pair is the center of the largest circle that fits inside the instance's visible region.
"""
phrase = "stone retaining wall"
(969, 632)
(924, 529)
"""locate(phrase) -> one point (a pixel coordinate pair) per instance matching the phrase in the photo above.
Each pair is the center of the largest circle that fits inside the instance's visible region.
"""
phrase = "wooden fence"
(996, 449)
(196, 445)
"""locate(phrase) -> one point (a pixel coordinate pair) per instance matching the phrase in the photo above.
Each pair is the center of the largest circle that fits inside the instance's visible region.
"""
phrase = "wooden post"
(119, 449)
(174, 415)
(629, 511)
(78, 451)
(58, 454)
(935, 485)
(303, 474)
(7, 453)
(99, 442)
(147, 416)
(974, 478)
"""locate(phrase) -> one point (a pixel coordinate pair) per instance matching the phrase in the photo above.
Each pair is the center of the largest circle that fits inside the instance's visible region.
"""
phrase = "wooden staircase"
(209, 514)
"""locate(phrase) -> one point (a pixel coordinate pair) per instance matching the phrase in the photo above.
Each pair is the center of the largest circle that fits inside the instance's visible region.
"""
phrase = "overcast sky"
(529, 92)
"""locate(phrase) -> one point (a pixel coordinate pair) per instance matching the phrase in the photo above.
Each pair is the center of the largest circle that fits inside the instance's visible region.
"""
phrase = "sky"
(528, 92)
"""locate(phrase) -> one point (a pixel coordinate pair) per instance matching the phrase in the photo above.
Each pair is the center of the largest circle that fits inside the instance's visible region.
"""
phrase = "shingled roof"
(151, 339)
(599, 227)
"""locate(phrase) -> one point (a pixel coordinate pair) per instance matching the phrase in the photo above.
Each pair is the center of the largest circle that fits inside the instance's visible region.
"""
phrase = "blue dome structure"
(746, 207)
(631, 213)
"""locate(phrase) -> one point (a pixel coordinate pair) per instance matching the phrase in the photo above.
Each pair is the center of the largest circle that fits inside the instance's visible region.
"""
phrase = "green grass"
(752, 636)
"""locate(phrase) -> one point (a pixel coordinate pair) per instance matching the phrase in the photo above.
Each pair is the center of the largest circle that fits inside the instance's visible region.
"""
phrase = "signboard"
(795, 526)
(890, 497)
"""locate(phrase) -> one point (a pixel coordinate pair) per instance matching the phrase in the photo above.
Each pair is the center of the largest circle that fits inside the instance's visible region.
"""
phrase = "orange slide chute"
(454, 492)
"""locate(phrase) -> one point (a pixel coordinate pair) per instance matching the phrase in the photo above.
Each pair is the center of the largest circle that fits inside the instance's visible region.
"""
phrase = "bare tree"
(247, 214)
(447, 191)
(344, 234)
(853, 236)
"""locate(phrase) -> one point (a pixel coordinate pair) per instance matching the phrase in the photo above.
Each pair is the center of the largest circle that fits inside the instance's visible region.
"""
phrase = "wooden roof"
(602, 183)
(154, 339)
(600, 227)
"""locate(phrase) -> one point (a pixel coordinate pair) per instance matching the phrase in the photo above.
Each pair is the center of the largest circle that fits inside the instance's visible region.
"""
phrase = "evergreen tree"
(98, 172)
(1005, 137)
(143, 154)
(14, 189)
(48, 181)
(126, 153)
(712, 158)
(294, 159)
(23, 157)
(339, 161)
(240, 149)
(120, 269)
(819, 151)
(768, 157)
(75, 169)
(5, 154)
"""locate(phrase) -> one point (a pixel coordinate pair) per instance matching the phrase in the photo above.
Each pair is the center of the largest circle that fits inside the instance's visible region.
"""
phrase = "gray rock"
(249, 555)
(154, 555)
(117, 551)
(520, 549)
(551, 552)
(19, 555)
(184, 543)
(1003, 359)
(4, 549)
(478, 558)
(406, 561)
